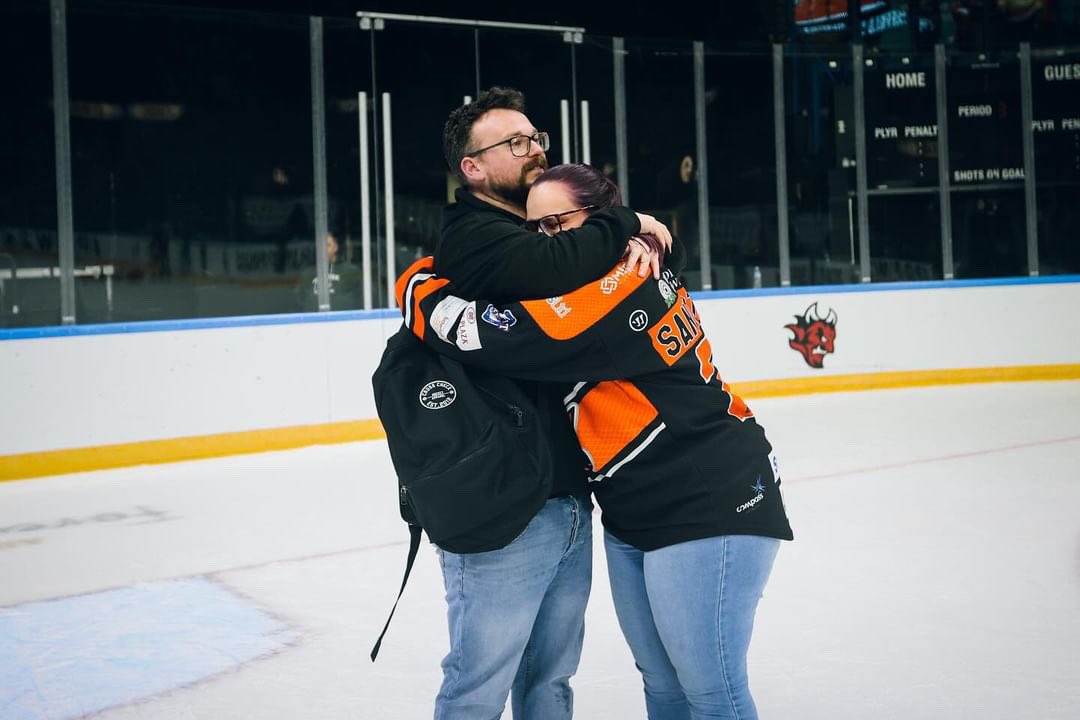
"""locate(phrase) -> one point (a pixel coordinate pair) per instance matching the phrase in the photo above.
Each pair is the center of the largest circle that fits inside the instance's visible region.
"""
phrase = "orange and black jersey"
(486, 252)
(675, 455)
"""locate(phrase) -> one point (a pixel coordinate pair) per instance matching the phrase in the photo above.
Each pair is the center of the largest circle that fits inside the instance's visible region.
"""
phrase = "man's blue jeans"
(687, 612)
(517, 619)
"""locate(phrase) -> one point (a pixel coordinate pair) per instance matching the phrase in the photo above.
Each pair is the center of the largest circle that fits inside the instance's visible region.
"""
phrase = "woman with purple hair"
(590, 189)
(685, 587)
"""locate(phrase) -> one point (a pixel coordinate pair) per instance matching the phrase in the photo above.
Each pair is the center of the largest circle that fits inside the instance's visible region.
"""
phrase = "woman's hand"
(646, 250)
(641, 257)
(652, 226)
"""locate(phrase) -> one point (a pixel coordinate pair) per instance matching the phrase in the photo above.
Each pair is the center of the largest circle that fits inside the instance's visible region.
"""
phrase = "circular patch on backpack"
(437, 394)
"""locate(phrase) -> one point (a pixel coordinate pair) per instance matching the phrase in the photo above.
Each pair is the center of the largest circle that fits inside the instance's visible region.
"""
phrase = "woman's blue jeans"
(687, 612)
(517, 619)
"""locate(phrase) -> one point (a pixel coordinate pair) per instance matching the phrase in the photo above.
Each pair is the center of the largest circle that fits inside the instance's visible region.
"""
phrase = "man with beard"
(517, 614)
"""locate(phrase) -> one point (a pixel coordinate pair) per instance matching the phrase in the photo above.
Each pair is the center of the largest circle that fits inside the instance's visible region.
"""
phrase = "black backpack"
(472, 462)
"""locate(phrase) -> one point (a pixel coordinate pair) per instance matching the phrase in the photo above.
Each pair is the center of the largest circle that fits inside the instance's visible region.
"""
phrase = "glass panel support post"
(318, 143)
(65, 226)
(622, 154)
(388, 199)
(365, 196)
(1028, 128)
(948, 268)
(586, 140)
(858, 71)
(702, 152)
(779, 135)
(564, 126)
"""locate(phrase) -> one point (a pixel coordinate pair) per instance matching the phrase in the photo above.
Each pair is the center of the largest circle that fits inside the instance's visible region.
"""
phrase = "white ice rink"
(935, 574)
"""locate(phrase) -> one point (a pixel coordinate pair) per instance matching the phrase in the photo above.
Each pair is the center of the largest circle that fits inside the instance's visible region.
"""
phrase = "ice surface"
(935, 574)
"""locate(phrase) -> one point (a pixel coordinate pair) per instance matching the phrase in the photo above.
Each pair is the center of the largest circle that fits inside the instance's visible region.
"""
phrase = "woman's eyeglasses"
(551, 225)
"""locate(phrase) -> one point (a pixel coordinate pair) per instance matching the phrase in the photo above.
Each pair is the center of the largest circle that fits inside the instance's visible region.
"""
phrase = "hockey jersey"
(675, 455)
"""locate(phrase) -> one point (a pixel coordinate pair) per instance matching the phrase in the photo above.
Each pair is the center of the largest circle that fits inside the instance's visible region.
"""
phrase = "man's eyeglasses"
(520, 145)
(551, 225)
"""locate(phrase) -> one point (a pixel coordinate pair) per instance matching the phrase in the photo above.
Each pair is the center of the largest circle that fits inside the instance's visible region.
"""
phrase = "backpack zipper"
(517, 415)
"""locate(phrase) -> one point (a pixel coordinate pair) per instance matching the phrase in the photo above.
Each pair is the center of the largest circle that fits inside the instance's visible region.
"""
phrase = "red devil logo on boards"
(814, 335)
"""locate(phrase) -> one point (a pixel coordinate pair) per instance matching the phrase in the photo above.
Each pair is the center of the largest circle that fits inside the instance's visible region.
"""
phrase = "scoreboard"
(901, 123)
(1055, 94)
(985, 127)
(986, 144)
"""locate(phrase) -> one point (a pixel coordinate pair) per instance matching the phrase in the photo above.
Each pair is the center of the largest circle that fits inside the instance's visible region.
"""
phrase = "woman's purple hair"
(585, 184)
(588, 186)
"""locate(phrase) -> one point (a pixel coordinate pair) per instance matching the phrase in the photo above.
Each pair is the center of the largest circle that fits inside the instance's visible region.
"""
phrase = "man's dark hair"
(458, 129)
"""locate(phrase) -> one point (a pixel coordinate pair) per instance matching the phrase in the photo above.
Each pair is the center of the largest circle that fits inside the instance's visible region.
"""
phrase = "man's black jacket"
(486, 252)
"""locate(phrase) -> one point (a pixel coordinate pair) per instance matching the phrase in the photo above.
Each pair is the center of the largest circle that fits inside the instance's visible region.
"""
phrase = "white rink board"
(89, 390)
(888, 331)
(99, 389)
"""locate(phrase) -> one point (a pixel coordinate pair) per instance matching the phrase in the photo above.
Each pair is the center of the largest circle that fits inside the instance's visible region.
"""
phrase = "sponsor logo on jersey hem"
(750, 504)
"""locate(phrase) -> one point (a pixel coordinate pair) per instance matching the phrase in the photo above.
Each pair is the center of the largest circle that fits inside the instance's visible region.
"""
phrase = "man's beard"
(517, 191)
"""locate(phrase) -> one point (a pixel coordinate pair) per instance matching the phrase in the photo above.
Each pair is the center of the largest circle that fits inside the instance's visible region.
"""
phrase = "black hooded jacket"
(486, 252)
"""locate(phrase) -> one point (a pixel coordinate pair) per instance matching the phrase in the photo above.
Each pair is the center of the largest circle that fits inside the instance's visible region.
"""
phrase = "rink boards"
(98, 396)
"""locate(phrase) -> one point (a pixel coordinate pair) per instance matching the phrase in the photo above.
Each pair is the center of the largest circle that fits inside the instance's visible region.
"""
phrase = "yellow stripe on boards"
(907, 378)
(104, 457)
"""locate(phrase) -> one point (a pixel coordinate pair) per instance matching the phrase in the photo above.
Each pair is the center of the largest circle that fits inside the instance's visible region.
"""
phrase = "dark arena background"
(204, 207)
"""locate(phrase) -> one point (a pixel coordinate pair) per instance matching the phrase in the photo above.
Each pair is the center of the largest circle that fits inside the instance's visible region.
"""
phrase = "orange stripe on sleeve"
(424, 264)
(425, 289)
(567, 316)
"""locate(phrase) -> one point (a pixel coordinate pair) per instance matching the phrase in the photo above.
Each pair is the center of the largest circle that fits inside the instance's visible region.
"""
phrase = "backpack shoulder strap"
(414, 546)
